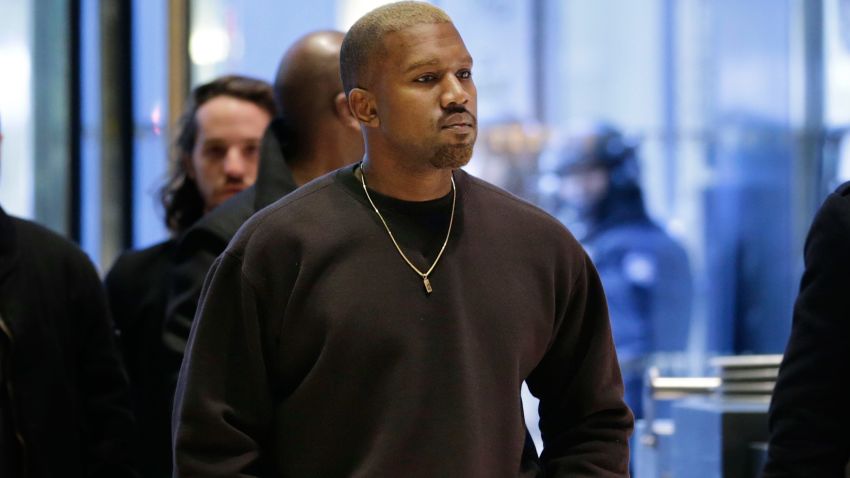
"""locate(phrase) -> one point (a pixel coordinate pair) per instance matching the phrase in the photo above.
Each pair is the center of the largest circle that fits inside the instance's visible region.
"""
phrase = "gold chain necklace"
(423, 275)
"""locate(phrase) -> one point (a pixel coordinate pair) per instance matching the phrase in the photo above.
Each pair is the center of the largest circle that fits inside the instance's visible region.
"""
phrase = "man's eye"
(426, 78)
(215, 151)
(464, 74)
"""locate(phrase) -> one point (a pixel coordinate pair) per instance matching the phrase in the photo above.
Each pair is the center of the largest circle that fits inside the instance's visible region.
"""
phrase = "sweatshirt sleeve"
(808, 414)
(223, 406)
(584, 422)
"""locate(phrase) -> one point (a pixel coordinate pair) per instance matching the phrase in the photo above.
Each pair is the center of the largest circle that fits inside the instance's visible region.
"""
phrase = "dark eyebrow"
(421, 63)
(430, 62)
(214, 141)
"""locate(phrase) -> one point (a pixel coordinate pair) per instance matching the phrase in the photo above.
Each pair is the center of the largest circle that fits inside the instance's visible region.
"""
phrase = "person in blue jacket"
(645, 272)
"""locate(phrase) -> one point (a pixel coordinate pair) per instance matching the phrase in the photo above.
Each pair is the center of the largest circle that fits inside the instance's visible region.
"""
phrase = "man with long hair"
(215, 156)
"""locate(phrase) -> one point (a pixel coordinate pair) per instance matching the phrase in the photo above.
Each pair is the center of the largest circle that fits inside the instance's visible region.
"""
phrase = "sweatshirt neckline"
(351, 183)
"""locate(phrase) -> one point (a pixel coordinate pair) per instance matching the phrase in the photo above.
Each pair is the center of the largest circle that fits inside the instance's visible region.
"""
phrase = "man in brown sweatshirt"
(380, 320)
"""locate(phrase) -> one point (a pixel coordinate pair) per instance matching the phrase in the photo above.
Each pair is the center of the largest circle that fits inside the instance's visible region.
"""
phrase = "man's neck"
(304, 170)
(393, 179)
(314, 160)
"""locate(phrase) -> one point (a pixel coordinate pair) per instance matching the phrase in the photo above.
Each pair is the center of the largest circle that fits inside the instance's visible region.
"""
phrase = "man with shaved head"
(381, 320)
(314, 134)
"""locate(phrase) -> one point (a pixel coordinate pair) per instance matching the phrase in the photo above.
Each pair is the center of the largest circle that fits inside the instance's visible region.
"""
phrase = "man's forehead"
(425, 44)
(433, 61)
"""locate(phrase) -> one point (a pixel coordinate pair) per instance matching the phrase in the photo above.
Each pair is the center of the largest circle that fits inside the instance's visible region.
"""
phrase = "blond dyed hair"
(364, 40)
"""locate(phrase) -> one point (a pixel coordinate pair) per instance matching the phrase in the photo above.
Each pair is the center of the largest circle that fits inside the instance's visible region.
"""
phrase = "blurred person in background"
(64, 404)
(216, 155)
(314, 134)
(645, 272)
(808, 416)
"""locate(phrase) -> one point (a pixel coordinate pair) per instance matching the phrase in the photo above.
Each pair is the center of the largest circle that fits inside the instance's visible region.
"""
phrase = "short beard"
(452, 156)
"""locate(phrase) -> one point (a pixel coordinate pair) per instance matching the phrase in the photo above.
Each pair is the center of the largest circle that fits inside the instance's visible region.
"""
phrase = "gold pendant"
(427, 284)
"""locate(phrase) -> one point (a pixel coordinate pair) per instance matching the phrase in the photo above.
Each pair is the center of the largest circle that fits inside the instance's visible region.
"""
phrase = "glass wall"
(716, 94)
(836, 167)
(54, 114)
(249, 37)
(35, 110)
(152, 132)
(17, 186)
(91, 129)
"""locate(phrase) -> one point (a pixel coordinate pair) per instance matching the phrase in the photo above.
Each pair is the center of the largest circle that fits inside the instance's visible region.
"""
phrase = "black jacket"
(136, 289)
(808, 414)
(207, 238)
(153, 294)
(66, 388)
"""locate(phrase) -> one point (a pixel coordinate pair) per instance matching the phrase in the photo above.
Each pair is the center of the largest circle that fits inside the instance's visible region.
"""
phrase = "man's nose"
(455, 92)
(234, 164)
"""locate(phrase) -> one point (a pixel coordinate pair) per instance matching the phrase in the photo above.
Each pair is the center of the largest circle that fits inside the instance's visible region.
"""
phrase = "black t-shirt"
(420, 228)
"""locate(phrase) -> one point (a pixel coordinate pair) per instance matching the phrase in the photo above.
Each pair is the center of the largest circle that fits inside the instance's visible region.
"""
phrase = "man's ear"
(343, 112)
(362, 105)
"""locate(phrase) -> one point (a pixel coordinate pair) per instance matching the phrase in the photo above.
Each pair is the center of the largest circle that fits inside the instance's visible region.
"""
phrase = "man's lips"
(458, 125)
(459, 121)
(233, 189)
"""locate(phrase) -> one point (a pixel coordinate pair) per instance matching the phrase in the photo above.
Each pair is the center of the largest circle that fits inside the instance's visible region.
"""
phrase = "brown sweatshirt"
(316, 351)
